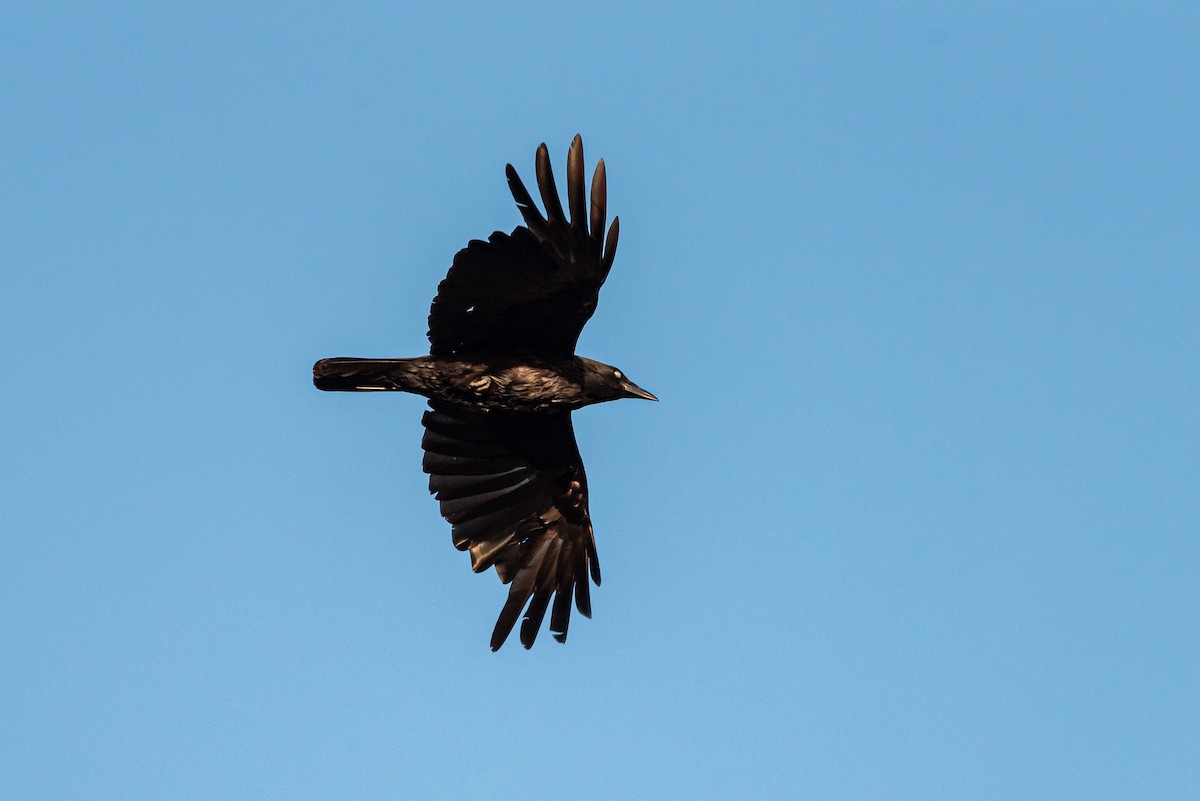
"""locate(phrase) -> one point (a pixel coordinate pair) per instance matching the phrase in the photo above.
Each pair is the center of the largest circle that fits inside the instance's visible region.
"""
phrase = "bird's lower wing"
(514, 489)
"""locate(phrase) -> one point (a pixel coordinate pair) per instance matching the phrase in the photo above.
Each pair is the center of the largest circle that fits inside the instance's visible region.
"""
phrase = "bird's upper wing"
(514, 490)
(533, 290)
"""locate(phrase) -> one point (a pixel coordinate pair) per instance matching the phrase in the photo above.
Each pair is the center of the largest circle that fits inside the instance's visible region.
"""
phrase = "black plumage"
(502, 379)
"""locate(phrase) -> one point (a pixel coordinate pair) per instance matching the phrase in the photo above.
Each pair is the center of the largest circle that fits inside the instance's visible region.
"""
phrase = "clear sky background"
(918, 285)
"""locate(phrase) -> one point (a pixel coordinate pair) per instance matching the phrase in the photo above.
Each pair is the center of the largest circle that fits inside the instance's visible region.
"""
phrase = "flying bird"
(502, 379)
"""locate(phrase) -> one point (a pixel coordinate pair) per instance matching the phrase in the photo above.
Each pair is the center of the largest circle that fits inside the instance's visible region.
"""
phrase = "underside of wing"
(533, 290)
(513, 488)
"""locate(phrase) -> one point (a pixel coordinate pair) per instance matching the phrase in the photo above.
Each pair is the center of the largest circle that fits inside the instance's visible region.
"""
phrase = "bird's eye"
(617, 374)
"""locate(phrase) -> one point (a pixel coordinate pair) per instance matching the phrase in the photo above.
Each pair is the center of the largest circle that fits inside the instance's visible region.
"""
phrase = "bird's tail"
(346, 374)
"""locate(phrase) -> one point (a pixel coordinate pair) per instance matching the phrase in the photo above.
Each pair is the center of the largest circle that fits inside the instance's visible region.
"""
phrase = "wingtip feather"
(599, 197)
(575, 197)
(545, 179)
(610, 244)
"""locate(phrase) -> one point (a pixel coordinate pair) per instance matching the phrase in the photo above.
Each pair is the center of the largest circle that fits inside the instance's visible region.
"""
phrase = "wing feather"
(530, 291)
(545, 180)
(527, 517)
(599, 197)
(575, 197)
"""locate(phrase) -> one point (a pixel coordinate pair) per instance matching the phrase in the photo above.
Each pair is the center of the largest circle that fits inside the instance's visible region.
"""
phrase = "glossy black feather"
(533, 290)
(502, 379)
(537, 508)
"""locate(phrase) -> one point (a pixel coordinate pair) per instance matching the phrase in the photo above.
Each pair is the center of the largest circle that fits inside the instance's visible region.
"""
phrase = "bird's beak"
(632, 390)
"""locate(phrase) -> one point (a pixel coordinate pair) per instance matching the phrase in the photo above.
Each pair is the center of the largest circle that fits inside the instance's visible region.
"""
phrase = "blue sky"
(916, 518)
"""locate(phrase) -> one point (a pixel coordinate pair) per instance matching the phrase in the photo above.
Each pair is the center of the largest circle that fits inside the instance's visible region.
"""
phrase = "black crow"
(502, 379)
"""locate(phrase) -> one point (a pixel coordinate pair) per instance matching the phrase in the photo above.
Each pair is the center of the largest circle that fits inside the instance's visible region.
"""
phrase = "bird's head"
(602, 382)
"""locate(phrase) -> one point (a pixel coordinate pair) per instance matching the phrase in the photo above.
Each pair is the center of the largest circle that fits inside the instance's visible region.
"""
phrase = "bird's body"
(502, 379)
(483, 381)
